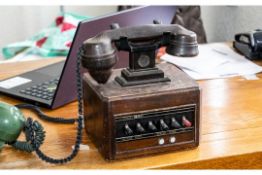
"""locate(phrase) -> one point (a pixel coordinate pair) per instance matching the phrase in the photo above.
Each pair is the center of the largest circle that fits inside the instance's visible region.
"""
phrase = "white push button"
(161, 141)
(172, 139)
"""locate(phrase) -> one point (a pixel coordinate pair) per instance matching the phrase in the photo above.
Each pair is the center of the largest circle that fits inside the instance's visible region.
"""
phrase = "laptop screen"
(66, 91)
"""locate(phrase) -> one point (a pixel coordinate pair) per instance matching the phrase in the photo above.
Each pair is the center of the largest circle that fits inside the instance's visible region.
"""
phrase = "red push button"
(186, 122)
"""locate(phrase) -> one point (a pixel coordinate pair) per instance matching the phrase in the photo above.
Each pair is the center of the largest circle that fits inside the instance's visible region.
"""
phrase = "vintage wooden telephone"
(144, 108)
(139, 110)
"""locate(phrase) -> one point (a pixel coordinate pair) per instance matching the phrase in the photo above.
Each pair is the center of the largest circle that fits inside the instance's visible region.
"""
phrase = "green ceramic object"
(12, 122)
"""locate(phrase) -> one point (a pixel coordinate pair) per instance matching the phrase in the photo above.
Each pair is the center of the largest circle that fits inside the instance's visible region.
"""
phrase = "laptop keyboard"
(44, 90)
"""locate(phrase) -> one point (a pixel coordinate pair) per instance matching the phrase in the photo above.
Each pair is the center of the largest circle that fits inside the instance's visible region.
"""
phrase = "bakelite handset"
(99, 54)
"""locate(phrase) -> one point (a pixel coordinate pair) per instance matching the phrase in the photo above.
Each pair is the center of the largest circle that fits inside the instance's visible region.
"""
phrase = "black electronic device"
(249, 44)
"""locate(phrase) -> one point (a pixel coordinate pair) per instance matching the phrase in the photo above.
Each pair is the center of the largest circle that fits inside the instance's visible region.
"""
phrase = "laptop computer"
(55, 85)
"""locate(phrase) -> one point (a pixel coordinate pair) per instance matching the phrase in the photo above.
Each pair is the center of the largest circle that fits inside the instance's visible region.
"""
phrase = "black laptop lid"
(66, 91)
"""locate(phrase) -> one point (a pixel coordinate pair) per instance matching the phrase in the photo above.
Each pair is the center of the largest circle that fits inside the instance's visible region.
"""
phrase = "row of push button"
(151, 127)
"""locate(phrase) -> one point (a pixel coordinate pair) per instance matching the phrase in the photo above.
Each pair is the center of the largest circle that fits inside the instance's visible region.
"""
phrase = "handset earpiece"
(183, 45)
(99, 56)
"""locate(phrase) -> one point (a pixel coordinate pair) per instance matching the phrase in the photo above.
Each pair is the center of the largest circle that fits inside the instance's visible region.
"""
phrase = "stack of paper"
(215, 60)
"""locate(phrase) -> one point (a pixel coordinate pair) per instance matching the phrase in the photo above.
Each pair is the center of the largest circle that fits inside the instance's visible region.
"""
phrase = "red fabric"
(186, 122)
(59, 20)
(67, 26)
(40, 42)
(68, 44)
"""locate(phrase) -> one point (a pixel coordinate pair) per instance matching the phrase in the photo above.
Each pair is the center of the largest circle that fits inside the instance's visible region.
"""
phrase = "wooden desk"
(231, 133)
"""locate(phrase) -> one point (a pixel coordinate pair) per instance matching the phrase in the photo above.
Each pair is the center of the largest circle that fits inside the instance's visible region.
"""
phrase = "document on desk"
(215, 60)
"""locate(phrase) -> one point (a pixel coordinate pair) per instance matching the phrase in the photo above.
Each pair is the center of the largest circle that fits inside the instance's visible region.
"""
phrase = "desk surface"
(231, 131)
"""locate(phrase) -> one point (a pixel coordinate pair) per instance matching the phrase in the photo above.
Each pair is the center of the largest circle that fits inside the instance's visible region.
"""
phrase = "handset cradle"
(142, 43)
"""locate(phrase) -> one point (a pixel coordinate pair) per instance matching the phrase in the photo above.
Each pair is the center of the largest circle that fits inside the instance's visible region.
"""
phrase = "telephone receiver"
(98, 54)
(13, 123)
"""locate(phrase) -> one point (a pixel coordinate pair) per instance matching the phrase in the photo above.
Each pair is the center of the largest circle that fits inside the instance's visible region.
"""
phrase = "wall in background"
(91, 10)
(223, 22)
(17, 23)
(20, 22)
(220, 22)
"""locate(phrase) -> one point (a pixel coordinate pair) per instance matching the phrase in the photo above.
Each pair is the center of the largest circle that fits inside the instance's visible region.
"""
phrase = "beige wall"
(222, 22)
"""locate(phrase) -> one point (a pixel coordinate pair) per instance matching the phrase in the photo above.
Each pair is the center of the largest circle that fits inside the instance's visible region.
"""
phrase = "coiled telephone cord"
(43, 116)
(35, 133)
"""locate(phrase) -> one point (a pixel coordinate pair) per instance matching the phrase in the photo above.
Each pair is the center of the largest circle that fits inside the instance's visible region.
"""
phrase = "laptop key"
(45, 97)
(38, 95)
(22, 91)
(44, 90)
(34, 90)
(40, 88)
(27, 92)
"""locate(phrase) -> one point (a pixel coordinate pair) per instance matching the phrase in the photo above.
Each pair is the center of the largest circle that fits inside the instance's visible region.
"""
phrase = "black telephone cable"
(34, 131)
(45, 117)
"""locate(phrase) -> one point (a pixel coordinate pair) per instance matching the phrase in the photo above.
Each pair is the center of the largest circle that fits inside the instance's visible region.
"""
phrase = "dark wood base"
(114, 115)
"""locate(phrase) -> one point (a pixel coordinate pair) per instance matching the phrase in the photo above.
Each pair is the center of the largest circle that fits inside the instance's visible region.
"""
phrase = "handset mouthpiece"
(98, 56)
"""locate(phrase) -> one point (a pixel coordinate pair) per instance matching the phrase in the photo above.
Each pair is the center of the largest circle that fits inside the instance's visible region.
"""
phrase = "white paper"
(205, 61)
(251, 77)
(14, 82)
(215, 60)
